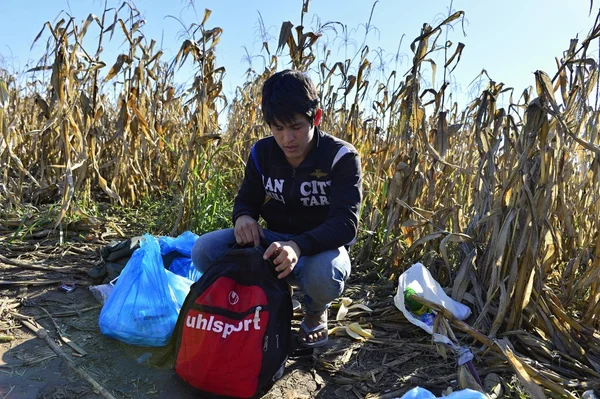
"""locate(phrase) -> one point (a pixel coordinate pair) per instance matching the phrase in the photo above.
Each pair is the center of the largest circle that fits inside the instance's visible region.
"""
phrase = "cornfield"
(505, 198)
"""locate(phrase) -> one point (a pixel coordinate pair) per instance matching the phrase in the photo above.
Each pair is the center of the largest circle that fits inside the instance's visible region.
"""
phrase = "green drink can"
(412, 305)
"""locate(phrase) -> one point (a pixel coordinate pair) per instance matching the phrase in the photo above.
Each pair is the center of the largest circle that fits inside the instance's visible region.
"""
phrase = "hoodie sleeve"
(341, 225)
(251, 195)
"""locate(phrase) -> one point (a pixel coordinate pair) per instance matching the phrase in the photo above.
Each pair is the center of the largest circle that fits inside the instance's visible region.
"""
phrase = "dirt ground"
(401, 356)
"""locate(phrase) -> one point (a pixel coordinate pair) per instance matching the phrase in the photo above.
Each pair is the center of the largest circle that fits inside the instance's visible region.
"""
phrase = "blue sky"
(510, 39)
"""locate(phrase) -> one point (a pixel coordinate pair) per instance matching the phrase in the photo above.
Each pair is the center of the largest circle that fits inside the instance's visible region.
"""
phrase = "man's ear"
(318, 116)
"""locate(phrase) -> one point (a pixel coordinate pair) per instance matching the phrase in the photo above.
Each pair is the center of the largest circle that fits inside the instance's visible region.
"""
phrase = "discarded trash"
(185, 268)
(182, 244)
(179, 286)
(101, 292)
(418, 279)
(427, 318)
(144, 357)
(415, 307)
(421, 393)
(177, 252)
(142, 309)
(67, 287)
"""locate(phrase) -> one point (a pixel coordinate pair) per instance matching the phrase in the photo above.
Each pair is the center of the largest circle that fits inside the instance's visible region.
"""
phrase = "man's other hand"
(247, 231)
(286, 255)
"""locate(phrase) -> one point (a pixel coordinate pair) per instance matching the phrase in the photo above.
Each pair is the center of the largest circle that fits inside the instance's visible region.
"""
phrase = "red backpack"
(233, 334)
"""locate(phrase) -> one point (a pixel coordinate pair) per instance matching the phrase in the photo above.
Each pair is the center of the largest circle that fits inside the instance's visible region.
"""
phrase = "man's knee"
(199, 255)
(324, 289)
(211, 246)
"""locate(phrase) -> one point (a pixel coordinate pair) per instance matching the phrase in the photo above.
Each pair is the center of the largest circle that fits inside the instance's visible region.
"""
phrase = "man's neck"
(295, 162)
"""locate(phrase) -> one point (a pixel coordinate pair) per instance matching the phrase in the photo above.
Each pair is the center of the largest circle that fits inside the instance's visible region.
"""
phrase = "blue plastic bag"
(421, 393)
(182, 244)
(185, 268)
(180, 286)
(143, 307)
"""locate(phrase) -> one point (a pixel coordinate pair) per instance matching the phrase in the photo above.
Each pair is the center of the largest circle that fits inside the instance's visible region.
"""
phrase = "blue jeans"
(321, 277)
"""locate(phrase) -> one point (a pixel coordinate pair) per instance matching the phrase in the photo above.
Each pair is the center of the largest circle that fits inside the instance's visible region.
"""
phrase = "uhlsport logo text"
(220, 327)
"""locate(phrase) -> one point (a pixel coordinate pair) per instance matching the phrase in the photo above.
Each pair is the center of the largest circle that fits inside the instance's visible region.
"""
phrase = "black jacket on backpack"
(319, 200)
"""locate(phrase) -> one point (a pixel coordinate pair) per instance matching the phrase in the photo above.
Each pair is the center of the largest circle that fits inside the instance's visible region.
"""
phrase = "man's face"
(295, 138)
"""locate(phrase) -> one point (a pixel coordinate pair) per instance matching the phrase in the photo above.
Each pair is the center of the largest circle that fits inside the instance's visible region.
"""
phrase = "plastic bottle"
(427, 318)
(413, 306)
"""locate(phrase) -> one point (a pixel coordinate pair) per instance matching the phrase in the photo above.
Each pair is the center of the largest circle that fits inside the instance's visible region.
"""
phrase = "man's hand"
(286, 255)
(247, 231)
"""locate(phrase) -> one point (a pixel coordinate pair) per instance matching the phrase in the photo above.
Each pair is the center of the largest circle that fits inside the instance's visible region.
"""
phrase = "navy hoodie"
(319, 200)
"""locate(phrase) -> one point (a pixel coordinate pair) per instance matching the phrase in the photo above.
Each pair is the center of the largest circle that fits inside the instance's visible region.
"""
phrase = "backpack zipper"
(266, 345)
(257, 314)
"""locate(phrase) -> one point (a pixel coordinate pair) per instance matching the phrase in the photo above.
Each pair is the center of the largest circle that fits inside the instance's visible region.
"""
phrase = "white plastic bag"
(101, 292)
(419, 279)
(421, 393)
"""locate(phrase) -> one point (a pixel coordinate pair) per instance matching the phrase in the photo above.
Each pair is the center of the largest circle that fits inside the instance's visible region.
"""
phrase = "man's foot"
(295, 304)
(313, 330)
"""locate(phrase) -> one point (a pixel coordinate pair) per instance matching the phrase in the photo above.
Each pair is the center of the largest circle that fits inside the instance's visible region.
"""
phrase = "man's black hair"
(287, 93)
